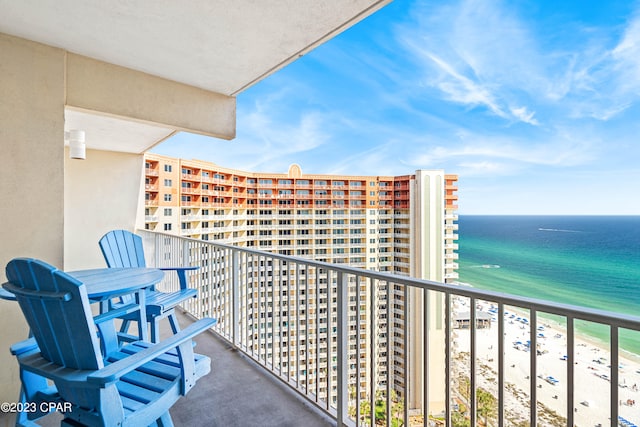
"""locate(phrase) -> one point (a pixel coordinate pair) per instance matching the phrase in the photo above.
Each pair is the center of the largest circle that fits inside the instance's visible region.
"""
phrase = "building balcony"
(276, 362)
(191, 177)
(274, 334)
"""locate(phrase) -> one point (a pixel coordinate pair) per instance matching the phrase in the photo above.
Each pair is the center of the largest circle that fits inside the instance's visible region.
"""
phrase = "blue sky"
(534, 104)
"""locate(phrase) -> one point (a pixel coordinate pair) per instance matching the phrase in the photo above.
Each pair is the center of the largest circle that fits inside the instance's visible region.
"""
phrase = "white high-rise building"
(404, 225)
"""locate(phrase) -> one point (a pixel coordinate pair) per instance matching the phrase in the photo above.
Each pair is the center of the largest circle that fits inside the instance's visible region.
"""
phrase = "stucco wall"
(31, 176)
(101, 193)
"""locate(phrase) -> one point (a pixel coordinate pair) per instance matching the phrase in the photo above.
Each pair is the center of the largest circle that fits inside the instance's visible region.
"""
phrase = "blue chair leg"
(155, 330)
(165, 420)
(173, 321)
(124, 328)
(36, 390)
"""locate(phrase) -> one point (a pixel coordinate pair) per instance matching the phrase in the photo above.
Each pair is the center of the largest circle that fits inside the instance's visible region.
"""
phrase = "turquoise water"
(590, 261)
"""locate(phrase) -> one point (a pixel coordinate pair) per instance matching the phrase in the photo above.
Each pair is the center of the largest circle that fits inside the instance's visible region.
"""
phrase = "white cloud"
(471, 65)
(461, 89)
(524, 115)
(269, 142)
(491, 54)
(485, 168)
(477, 154)
(627, 60)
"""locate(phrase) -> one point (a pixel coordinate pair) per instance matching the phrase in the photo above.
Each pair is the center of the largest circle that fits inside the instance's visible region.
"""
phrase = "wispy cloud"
(627, 58)
(275, 144)
(459, 88)
(483, 54)
(468, 64)
(524, 115)
(476, 155)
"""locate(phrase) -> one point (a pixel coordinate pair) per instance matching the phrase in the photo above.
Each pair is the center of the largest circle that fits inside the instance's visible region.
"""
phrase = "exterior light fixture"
(77, 147)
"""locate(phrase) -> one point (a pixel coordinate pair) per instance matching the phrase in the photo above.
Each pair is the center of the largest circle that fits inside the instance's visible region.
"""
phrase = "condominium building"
(404, 225)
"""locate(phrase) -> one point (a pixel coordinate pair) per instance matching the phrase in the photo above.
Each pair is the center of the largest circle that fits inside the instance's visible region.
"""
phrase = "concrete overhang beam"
(111, 100)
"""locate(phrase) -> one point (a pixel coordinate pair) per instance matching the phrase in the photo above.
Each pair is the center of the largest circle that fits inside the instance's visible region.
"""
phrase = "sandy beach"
(592, 372)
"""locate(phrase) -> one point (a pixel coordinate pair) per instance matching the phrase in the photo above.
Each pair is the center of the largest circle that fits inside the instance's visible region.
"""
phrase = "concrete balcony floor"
(237, 392)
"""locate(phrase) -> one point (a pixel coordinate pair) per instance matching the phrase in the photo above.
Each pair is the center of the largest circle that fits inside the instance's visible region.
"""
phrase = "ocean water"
(590, 261)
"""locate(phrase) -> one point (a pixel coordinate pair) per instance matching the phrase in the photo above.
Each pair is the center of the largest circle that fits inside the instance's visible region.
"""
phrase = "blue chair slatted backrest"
(122, 249)
(56, 307)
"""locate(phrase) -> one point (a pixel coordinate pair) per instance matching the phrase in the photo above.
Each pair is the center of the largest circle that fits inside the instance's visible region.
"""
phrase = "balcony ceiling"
(223, 46)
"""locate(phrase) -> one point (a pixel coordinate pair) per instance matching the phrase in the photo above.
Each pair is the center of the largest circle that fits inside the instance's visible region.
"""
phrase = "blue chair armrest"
(116, 313)
(159, 302)
(116, 370)
(6, 295)
(24, 346)
(182, 274)
(101, 378)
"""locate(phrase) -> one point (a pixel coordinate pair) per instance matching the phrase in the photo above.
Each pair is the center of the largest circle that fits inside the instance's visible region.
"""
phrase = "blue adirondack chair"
(35, 390)
(130, 385)
(122, 249)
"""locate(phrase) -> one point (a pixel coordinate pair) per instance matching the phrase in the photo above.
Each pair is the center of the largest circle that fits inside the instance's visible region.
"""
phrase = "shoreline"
(578, 333)
(591, 370)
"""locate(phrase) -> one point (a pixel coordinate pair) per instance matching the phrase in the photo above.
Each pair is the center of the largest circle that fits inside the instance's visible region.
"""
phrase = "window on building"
(167, 212)
(167, 197)
(167, 227)
(167, 168)
(167, 183)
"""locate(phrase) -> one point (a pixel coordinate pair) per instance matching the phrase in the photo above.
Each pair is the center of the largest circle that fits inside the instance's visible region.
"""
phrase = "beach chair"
(34, 390)
(123, 249)
(130, 385)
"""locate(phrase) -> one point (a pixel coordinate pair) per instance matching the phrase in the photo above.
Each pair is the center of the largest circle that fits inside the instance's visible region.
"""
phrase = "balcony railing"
(346, 339)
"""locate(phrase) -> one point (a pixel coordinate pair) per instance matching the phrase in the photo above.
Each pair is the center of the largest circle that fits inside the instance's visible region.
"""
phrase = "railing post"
(570, 372)
(235, 291)
(185, 253)
(426, 351)
(473, 401)
(615, 366)
(343, 327)
(448, 362)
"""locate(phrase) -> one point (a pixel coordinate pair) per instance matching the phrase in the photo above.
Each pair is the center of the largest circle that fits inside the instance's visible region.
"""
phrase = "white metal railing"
(344, 338)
